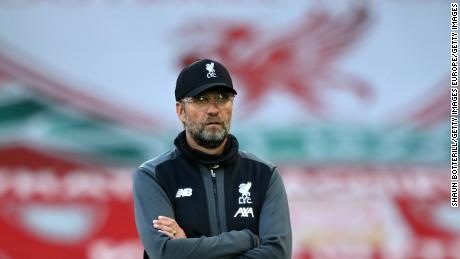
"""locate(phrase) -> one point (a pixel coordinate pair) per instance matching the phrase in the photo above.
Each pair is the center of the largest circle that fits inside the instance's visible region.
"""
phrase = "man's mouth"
(213, 123)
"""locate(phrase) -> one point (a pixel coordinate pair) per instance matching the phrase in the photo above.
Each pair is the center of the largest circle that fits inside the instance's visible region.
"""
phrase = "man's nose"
(213, 108)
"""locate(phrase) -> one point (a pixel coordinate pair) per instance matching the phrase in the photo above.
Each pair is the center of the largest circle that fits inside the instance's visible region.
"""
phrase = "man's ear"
(180, 111)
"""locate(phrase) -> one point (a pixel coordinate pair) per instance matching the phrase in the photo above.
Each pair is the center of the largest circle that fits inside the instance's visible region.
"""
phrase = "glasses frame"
(211, 98)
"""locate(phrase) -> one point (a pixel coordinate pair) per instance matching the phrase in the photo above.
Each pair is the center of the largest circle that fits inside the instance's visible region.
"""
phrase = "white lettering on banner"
(25, 184)
(358, 181)
(185, 192)
(106, 249)
(429, 248)
(244, 212)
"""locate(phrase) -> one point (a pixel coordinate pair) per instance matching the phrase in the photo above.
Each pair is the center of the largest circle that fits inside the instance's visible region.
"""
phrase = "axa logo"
(244, 212)
(184, 192)
(210, 69)
(245, 197)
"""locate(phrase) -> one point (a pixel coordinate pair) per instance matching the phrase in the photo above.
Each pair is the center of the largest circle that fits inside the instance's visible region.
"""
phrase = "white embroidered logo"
(211, 71)
(245, 194)
(244, 212)
(185, 192)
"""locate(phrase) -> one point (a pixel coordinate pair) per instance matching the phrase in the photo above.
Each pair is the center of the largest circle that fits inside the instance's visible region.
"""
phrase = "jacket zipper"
(216, 200)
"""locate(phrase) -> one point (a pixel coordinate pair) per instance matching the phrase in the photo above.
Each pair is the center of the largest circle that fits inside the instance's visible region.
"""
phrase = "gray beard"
(205, 137)
(208, 139)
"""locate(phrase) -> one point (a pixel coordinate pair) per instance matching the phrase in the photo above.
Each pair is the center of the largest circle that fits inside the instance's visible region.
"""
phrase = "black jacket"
(221, 202)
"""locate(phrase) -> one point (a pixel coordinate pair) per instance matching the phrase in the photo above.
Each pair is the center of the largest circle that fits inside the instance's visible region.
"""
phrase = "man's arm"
(150, 201)
(275, 232)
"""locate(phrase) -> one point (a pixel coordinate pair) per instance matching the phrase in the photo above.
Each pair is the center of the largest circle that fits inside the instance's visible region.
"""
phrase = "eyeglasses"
(202, 102)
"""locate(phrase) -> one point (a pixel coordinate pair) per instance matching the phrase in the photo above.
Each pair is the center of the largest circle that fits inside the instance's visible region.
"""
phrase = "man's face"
(207, 116)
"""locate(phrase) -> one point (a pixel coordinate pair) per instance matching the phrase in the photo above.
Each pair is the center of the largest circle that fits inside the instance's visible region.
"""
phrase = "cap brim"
(205, 87)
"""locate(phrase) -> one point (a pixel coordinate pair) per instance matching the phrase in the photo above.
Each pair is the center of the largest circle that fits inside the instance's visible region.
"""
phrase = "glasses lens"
(223, 98)
(201, 100)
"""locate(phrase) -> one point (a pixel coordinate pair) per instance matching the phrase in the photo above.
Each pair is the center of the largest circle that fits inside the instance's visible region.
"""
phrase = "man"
(206, 198)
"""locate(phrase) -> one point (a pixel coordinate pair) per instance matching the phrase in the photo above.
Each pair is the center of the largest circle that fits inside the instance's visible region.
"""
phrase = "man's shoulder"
(256, 159)
(151, 164)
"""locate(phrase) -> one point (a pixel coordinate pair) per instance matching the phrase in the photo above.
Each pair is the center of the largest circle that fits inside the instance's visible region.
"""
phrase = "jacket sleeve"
(274, 224)
(151, 201)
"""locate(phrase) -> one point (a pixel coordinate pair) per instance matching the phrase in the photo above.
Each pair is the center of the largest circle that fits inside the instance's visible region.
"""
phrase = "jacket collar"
(229, 155)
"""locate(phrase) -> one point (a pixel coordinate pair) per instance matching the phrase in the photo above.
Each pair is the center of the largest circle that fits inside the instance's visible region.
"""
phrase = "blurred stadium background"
(349, 98)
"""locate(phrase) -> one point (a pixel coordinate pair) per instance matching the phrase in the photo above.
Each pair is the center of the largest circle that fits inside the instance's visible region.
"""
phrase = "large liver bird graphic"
(300, 58)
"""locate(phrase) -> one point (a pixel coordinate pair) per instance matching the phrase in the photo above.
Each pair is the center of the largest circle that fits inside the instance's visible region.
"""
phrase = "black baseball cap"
(202, 75)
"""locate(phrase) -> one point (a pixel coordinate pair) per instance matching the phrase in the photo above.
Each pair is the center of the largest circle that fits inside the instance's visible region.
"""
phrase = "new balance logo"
(244, 212)
(185, 192)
